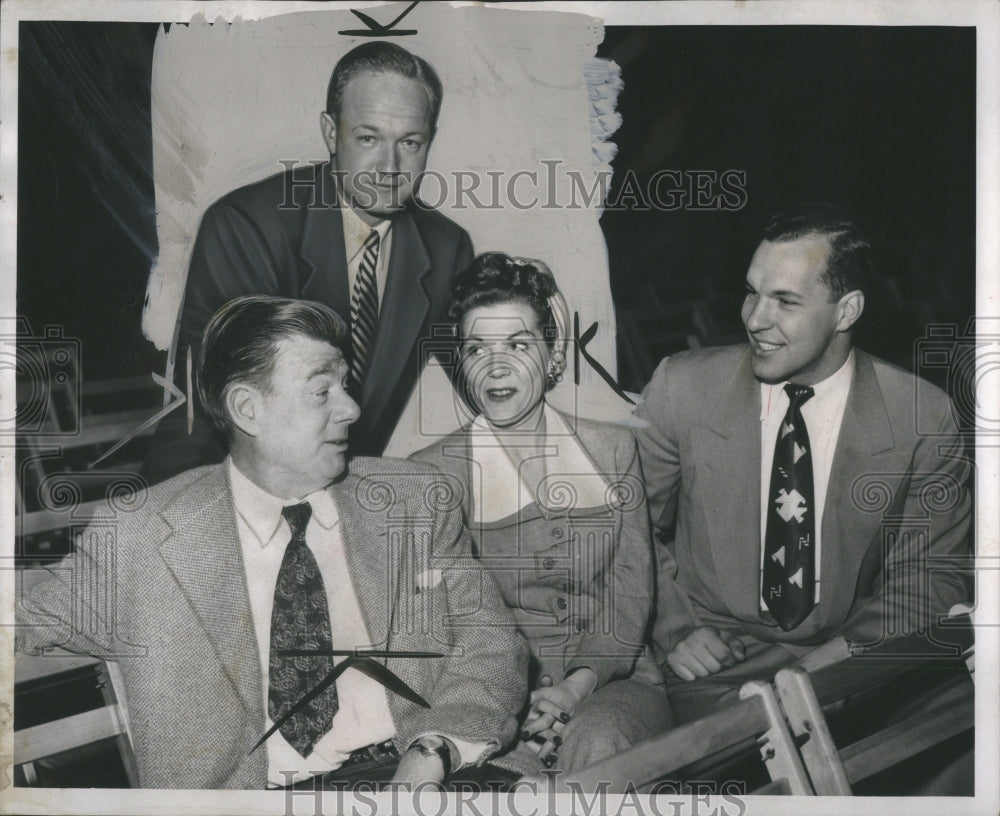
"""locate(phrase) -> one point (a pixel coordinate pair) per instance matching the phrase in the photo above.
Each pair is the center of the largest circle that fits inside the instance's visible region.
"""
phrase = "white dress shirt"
(356, 232)
(363, 716)
(823, 413)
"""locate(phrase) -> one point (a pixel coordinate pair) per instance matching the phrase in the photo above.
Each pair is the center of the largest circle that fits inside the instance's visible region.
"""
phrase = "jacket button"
(549, 563)
(557, 532)
(561, 603)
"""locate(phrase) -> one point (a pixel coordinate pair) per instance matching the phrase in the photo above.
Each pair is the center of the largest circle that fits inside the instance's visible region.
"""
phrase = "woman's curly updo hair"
(494, 278)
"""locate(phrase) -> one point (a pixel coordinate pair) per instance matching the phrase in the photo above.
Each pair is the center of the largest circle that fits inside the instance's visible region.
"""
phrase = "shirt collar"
(837, 384)
(261, 511)
(356, 231)
(570, 462)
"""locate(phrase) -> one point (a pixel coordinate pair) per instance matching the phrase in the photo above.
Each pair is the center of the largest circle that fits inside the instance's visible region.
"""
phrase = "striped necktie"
(364, 314)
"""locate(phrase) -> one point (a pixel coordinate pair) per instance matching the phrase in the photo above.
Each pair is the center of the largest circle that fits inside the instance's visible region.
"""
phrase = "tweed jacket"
(162, 589)
(896, 523)
(576, 570)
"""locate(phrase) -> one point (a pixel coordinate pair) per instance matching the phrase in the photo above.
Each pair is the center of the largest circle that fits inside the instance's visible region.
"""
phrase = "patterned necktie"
(364, 314)
(789, 579)
(300, 620)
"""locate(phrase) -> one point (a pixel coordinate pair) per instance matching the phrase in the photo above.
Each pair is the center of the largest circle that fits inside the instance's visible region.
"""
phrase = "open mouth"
(500, 394)
(764, 347)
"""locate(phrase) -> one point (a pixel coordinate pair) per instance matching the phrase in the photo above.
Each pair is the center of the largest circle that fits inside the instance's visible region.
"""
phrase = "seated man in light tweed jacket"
(222, 592)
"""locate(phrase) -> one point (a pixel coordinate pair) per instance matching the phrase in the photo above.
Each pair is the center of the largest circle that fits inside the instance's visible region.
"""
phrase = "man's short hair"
(379, 57)
(241, 340)
(850, 265)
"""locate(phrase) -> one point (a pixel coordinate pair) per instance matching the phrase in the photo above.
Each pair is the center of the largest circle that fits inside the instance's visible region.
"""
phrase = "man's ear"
(242, 402)
(329, 128)
(849, 309)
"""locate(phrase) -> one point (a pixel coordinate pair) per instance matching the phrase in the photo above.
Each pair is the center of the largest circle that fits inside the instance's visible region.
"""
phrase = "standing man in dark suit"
(348, 233)
(204, 587)
(789, 484)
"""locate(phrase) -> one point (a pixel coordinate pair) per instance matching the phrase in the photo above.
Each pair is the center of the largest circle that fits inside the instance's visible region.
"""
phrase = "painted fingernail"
(525, 735)
(550, 761)
(564, 717)
(557, 740)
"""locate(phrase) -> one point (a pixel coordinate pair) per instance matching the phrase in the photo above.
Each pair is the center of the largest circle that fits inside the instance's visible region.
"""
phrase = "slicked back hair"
(850, 265)
(241, 342)
(380, 57)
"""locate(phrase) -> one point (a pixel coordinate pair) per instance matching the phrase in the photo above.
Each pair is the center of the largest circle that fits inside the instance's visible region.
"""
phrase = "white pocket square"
(428, 579)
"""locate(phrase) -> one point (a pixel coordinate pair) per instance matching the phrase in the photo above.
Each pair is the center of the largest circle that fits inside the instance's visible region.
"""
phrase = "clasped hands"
(552, 707)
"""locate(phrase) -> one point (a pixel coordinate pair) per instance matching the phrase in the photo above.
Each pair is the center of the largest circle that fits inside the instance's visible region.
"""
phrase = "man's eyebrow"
(334, 367)
(779, 293)
(377, 129)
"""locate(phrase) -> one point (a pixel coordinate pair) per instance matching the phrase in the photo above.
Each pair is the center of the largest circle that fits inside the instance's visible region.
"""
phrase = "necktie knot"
(372, 241)
(297, 516)
(798, 394)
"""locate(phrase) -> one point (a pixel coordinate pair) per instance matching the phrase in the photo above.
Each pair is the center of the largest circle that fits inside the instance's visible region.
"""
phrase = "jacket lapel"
(865, 453)
(369, 556)
(407, 303)
(322, 248)
(203, 555)
(727, 450)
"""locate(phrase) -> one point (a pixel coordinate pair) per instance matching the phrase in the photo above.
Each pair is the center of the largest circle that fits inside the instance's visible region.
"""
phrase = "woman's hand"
(552, 706)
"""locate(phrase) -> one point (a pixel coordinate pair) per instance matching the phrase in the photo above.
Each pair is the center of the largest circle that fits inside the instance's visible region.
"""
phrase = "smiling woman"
(557, 512)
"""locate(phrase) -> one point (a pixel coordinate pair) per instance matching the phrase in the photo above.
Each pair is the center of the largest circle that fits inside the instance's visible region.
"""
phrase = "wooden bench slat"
(65, 734)
(891, 746)
(650, 760)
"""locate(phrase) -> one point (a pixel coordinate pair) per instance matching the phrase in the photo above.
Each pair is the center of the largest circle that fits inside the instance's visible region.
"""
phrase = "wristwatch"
(430, 745)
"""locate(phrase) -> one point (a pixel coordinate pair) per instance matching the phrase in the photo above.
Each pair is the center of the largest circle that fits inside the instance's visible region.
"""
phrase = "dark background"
(878, 120)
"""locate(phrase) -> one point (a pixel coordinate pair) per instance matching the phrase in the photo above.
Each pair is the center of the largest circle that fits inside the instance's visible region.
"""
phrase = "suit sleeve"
(464, 254)
(924, 573)
(659, 452)
(72, 608)
(230, 258)
(477, 696)
(627, 585)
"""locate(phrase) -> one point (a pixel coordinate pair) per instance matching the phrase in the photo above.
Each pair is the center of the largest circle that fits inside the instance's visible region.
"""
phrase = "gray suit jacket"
(161, 588)
(895, 528)
(551, 555)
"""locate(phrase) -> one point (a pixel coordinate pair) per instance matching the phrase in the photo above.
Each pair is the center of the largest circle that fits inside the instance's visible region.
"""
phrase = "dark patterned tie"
(789, 579)
(364, 314)
(300, 620)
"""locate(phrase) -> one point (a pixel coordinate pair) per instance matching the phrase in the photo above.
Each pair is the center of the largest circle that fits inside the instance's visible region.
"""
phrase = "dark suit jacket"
(284, 236)
(897, 513)
(161, 588)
